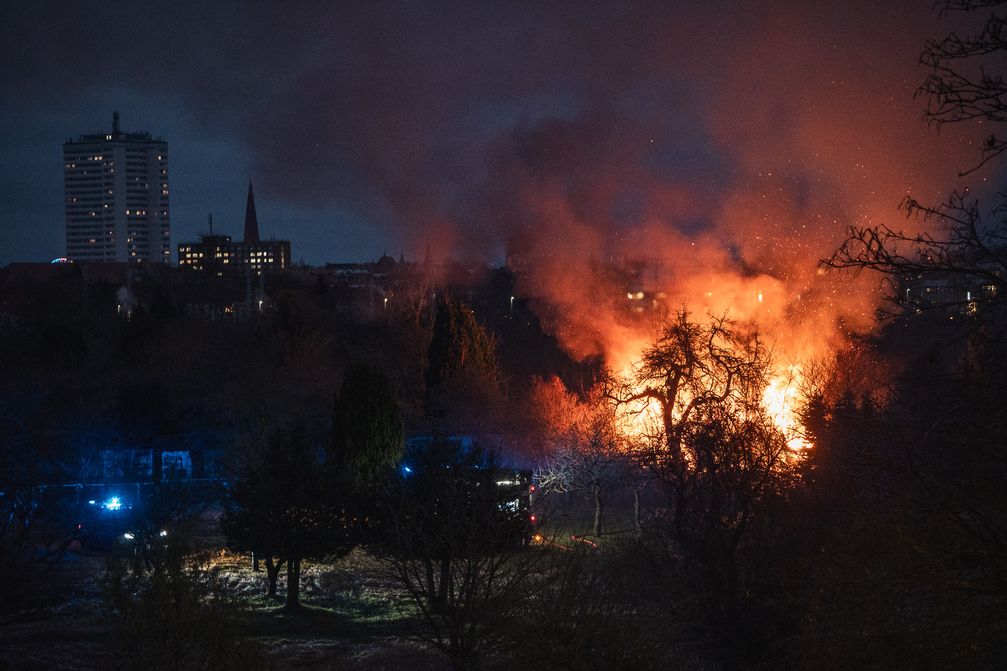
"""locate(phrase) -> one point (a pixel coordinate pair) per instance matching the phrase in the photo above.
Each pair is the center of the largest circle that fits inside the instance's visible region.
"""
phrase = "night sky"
(617, 127)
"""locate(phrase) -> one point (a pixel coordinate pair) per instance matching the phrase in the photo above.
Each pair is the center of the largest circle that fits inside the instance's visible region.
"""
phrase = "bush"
(176, 615)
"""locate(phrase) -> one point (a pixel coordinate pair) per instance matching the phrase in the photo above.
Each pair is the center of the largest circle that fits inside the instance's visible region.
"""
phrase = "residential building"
(116, 189)
(221, 256)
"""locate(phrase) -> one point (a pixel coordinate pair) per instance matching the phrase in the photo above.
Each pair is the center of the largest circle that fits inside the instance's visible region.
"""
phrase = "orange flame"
(780, 399)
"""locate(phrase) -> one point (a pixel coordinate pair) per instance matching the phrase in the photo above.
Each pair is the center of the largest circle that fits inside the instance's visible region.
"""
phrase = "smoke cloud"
(725, 148)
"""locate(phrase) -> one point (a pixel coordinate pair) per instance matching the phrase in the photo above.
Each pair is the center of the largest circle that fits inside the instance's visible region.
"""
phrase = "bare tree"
(722, 466)
(912, 493)
(967, 255)
(693, 366)
(960, 85)
(969, 258)
(456, 549)
(586, 451)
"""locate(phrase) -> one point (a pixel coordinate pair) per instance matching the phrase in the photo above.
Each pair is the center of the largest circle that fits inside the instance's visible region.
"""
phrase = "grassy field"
(352, 618)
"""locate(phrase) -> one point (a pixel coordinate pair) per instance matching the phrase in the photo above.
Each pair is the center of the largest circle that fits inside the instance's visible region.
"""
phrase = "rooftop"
(135, 136)
(115, 135)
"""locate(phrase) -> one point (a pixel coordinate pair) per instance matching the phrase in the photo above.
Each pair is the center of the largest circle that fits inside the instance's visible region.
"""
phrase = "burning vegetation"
(735, 465)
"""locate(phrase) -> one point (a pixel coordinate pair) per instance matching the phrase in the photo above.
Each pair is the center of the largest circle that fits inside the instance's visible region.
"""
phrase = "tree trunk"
(637, 527)
(255, 557)
(597, 511)
(454, 652)
(442, 588)
(293, 584)
(431, 585)
(273, 574)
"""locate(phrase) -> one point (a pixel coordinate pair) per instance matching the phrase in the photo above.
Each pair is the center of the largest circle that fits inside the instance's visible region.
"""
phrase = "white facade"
(116, 188)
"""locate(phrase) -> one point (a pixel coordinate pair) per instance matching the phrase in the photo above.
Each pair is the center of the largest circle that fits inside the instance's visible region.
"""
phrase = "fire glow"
(781, 400)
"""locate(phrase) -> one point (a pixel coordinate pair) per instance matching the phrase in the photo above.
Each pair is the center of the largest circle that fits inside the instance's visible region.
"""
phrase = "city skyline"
(391, 128)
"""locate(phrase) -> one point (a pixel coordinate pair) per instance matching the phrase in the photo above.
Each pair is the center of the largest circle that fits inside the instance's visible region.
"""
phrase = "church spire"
(251, 223)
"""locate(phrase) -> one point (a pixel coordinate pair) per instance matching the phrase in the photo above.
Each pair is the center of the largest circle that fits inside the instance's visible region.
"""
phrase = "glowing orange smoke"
(640, 419)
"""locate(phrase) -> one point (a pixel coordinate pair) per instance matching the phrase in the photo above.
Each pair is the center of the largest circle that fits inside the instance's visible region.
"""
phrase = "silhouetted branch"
(955, 95)
(969, 253)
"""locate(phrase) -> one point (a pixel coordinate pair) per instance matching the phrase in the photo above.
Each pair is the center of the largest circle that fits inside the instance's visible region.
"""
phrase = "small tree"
(462, 377)
(284, 509)
(176, 616)
(166, 510)
(583, 443)
(722, 466)
(368, 436)
(37, 524)
(590, 609)
(454, 546)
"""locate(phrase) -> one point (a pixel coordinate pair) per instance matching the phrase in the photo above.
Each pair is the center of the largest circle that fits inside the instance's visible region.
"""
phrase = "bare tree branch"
(960, 87)
(968, 262)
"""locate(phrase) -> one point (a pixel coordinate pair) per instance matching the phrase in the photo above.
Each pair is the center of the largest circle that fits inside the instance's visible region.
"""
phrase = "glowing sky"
(753, 131)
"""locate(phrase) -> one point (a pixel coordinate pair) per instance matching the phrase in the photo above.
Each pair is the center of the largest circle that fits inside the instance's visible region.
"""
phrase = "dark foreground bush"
(176, 615)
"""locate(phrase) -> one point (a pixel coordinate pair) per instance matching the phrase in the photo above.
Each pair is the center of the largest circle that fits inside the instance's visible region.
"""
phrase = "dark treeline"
(880, 547)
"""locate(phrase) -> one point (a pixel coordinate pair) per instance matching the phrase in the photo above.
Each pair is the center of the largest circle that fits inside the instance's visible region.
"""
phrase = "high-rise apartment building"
(116, 187)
